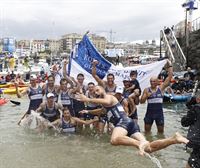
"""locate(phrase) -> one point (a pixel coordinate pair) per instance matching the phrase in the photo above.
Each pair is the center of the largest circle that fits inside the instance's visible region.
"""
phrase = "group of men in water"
(72, 103)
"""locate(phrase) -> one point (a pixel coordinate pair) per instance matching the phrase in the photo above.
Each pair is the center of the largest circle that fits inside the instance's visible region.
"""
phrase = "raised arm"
(65, 75)
(170, 75)
(65, 69)
(94, 74)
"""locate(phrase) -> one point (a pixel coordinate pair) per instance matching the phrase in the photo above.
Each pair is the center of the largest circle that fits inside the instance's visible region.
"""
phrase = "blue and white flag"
(190, 5)
(85, 53)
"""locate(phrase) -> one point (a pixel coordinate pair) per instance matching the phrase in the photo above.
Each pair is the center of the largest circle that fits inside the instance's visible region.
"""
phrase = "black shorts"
(158, 118)
(77, 107)
(194, 159)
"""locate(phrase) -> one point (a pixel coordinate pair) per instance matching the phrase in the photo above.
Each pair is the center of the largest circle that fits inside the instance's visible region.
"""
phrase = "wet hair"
(65, 109)
(134, 72)
(51, 76)
(110, 74)
(91, 83)
(63, 80)
(80, 74)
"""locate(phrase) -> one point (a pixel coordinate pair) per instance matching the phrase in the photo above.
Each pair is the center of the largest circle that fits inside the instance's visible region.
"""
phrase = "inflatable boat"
(177, 97)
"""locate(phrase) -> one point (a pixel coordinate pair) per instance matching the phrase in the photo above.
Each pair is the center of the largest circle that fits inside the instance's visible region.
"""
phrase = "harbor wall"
(192, 52)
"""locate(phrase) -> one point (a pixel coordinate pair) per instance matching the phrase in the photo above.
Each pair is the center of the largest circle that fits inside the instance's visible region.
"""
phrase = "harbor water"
(21, 148)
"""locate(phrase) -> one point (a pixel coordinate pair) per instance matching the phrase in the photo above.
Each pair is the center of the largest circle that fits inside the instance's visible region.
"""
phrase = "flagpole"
(186, 36)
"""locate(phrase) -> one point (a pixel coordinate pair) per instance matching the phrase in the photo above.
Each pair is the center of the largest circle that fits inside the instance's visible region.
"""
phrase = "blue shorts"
(129, 125)
(151, 117)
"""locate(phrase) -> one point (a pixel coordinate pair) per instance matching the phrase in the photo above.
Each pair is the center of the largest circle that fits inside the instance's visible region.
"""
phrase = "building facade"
(68, 41)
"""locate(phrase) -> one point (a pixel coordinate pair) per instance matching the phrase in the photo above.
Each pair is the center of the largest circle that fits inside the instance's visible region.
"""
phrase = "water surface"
(21, 148)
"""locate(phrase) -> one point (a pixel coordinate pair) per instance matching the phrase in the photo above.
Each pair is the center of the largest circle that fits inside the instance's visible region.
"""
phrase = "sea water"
(22, 148)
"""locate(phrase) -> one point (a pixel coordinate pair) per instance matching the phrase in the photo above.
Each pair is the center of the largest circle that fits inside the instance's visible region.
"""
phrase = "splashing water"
(35, 122)
(153, 159)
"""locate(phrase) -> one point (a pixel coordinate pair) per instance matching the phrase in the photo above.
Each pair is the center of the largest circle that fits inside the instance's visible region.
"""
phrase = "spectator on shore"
(12, 75)
(19, 79)
(177, 86)
(27, 77)
(167, 30)
(1, 64)
(8, 77)
(6, 62)
(12, 63)
(189, 73)
(188, 84)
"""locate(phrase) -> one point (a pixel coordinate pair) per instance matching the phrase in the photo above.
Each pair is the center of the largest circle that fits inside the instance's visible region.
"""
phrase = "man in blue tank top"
(64, 95)
(34, 92)
(50, 87)
(108, 85)
(49, 109)
(154, 97)
(126, 131)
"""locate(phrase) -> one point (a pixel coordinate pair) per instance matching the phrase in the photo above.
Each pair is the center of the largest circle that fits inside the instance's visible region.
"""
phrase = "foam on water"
(153, 159)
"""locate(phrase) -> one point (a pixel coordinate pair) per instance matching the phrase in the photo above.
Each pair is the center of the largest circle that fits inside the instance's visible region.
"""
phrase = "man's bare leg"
(160, 129)
(147, 128)
(163, 143)
(143, 143)
(119, 137)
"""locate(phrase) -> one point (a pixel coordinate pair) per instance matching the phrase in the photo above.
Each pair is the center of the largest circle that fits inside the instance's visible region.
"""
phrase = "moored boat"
(3, 101)
(12, 90)
(8, 85)
(177, 97)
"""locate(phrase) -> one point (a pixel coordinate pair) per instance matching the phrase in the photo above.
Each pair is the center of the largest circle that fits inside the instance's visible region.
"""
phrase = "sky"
(128, 20)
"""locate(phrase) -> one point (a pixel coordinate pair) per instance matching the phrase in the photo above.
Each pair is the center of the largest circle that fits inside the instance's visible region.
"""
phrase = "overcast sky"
(130, 20)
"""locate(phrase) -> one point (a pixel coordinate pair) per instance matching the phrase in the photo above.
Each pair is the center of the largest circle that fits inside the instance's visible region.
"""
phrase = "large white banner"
(145, 72)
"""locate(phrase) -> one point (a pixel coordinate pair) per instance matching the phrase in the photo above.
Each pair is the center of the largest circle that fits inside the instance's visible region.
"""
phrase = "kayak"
(177, 97)
(12, 90)
(7, 85)
(3, 101)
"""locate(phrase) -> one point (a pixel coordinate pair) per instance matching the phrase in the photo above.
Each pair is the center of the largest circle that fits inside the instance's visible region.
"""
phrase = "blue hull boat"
(177, 97)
